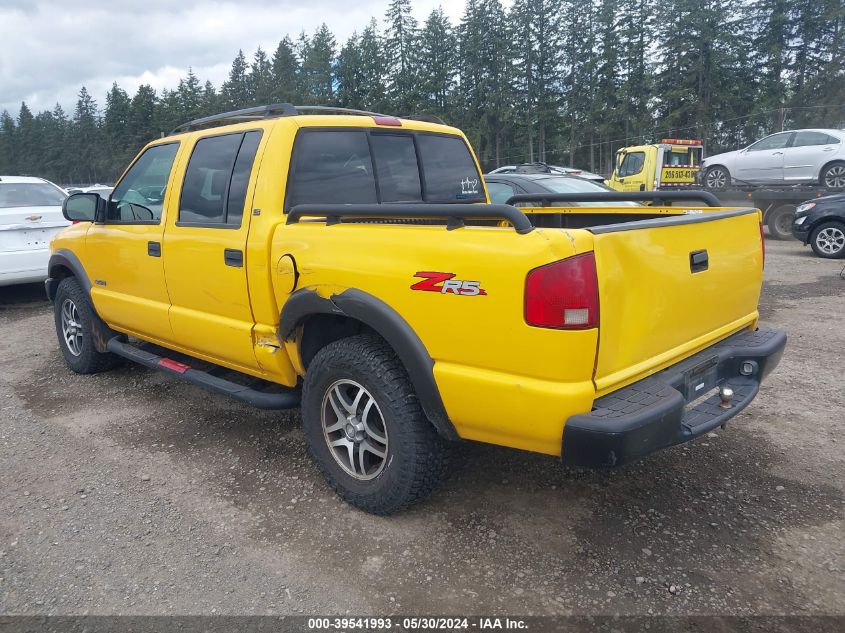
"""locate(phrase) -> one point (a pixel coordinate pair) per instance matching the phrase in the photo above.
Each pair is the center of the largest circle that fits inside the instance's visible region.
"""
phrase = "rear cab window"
(364, 166)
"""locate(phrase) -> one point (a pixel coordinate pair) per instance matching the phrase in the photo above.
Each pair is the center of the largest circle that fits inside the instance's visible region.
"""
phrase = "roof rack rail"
(269, 111)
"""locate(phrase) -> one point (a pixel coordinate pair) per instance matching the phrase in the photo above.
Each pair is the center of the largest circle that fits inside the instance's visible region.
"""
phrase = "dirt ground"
(132, 493)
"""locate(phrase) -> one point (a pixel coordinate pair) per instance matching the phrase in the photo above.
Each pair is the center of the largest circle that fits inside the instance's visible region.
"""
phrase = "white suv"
(30, 215)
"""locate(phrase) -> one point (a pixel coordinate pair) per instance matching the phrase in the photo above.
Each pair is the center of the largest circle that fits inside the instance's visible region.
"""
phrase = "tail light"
(763, 244)
(563, 295)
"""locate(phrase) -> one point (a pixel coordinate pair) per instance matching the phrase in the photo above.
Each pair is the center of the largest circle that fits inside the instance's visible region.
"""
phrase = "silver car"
(792, 157)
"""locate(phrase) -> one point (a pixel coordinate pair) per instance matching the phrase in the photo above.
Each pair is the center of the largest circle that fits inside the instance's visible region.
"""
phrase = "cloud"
(51, 48)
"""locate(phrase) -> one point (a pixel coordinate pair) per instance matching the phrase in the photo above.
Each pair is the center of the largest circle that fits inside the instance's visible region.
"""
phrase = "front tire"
(717, 178)
(833, 177)
(365, 428)
(76, 326)
(828, 240)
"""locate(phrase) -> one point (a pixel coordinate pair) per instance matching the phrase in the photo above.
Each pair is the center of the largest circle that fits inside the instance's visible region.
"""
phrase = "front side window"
(804, 139)
(632, 164)
(216, 180)
(139, 197)
(368, 167)
(776, 141)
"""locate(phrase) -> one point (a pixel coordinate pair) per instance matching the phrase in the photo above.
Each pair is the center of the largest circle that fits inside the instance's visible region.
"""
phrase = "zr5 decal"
(445, 283)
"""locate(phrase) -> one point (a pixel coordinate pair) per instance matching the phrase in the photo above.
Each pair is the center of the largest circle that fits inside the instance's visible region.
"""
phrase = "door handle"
(233, 257)
(154, 249)
(827, 149)
(777, 154)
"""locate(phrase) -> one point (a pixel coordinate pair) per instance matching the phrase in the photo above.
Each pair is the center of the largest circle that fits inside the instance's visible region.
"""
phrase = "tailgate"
(658, 302)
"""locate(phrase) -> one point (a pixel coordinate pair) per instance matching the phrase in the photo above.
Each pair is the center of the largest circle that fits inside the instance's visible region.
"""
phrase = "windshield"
(30, 194)
(577, 185)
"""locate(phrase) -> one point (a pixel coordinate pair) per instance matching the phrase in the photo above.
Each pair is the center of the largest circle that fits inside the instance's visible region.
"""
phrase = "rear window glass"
(30, 194)
(396, 165)
(336, 167)
(449, 170)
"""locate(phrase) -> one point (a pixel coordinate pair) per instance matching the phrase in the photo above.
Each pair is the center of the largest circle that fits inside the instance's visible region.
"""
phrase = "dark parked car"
(502, 186)
(821, 224)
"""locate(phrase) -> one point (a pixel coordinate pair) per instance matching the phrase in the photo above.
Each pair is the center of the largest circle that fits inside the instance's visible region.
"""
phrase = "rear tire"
(828, 240)
(717, 178)
(365, 427)
(832, 177)
(779, 222)
(76, 326)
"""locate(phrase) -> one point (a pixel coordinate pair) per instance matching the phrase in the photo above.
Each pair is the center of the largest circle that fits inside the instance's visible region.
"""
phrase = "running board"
(260, 399)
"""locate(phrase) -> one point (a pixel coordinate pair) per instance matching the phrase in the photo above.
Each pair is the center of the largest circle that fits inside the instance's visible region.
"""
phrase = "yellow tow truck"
(671, 162)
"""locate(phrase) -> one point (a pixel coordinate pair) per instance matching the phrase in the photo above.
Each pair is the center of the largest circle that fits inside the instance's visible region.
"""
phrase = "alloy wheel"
(716, 178)
(354, 429)
(71, 327)
(835, 177)
(830, 240)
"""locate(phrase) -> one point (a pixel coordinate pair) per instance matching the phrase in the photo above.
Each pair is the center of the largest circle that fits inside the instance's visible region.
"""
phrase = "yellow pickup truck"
(350, 263)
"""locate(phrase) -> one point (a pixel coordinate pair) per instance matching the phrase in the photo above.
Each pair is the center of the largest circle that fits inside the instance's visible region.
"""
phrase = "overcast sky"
(50, 48)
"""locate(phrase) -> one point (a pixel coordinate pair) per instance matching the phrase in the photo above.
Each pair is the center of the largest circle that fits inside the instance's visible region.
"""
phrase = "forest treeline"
(562, 81)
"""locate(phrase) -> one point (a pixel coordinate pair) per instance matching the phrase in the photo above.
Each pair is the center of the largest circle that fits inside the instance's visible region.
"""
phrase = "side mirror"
(82, 207)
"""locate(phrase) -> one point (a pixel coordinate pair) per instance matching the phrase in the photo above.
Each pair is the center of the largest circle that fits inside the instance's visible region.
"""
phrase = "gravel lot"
(132, 493)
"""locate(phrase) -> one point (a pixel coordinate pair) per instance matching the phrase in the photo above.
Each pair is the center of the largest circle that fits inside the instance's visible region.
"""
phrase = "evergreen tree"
(8, 144)
(142, 118)
(236, 90)
(117, 151)
(372, 69)
(350, 82)
(189, 94)
(85, 140)
(261, 79)
(285, 69)
(437, 56)
(400, 47)
(317, 67)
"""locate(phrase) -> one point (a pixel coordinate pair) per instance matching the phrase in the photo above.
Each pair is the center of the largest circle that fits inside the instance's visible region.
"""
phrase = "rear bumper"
(655, 413)
(20, 267)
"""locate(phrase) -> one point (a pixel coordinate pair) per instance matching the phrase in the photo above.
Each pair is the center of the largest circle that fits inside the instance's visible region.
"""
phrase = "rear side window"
(803, 139)
(368, 167)
(214, 190)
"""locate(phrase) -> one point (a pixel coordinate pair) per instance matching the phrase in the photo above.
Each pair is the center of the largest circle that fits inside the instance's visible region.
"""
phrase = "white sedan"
(30, 215)
(792, 157)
